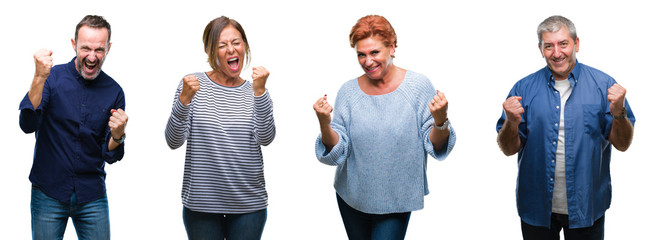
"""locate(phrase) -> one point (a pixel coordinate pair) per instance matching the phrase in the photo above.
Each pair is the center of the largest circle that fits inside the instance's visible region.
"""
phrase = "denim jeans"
(365, 226)
(560, 221)
(201, 226)
(50, 216)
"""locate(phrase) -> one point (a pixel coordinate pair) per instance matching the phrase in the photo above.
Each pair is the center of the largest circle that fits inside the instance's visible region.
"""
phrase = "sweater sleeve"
(177, 128)
(265, 128)
(339, 153)
(426, 92)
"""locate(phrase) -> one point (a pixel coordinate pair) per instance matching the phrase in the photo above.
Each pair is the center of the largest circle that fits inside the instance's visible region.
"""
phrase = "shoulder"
(533, 80)
(417, 79)
(109, 81)
(415, 84)
(587, 73)
(349, 88)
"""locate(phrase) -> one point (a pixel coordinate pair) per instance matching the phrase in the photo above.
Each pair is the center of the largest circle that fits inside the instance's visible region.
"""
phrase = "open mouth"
(233, 63)
(90, 67)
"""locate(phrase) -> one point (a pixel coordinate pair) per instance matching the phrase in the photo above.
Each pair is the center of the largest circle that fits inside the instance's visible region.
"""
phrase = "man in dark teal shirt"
(77, 114)
(562, 120)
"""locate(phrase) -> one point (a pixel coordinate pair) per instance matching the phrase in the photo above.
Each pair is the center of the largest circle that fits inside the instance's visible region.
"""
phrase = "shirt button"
(557, 107)
(556, 124)
(553, 160)
(554, 143)
(551, 179)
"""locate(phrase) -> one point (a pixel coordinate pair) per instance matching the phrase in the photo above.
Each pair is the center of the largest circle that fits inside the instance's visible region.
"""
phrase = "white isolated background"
(473, 51)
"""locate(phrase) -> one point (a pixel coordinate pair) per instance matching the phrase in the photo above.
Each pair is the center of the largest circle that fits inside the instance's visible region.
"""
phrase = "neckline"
(405, 75)
(221, 85)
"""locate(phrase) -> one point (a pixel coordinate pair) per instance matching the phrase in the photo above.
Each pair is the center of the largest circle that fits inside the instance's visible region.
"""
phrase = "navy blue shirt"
(72, 134)
(587, 148)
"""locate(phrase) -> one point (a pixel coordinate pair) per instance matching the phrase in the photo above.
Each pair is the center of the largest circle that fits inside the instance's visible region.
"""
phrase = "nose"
(369, 61)
(92, 57)
(557, 51)
(231, 48)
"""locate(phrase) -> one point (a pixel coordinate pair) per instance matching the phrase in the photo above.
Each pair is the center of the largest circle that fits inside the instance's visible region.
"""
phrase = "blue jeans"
(558, 221)
(361, 226)
(201, 226)
(50, 216)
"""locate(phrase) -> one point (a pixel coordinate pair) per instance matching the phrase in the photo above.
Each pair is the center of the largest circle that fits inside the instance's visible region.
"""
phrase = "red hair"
(373, 25)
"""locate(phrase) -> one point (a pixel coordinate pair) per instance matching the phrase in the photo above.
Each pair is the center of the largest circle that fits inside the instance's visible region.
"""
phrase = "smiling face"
(230, 52)
(91, 48)
(559, 50)
(374, 57)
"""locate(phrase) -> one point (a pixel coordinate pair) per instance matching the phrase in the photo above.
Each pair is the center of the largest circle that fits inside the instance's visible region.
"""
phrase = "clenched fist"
(117, 123)
(513, 109)
(43, 64)
(260, 75)
(323, 110)
(616, 95)
(190, 85)
(438, 107)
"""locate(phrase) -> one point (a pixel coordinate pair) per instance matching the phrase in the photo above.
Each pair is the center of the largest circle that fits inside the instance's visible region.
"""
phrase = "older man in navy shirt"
(77, 114)
(563, 120)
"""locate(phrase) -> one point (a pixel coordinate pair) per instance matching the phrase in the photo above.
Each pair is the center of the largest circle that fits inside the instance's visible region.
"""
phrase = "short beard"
(80, 68)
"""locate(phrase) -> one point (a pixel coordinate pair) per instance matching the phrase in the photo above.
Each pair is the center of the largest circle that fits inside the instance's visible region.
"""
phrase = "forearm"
(112, 144)
(439, 138)
(264, 121)
(508, 139)
(36, 91)
(621, 134)
(177, 128)
(329, 137)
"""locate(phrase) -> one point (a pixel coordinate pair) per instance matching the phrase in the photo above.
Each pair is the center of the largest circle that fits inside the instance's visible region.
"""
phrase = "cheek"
(362, 61)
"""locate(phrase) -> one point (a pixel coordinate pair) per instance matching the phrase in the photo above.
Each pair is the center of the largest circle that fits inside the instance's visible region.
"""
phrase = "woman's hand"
(260, 75)
(190, 85)
(323, 109)
(438, 107)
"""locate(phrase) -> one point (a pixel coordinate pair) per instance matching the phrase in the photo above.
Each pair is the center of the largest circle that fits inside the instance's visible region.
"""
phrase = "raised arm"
(508, 138)
(621, 131)
(177, 128)
(329, 137)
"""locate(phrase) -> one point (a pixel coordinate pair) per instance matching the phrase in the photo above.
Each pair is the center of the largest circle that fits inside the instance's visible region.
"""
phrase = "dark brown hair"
(211, 38)
(94, 21)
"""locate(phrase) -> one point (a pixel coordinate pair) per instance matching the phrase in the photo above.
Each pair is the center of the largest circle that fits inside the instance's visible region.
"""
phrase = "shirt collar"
(573, 77)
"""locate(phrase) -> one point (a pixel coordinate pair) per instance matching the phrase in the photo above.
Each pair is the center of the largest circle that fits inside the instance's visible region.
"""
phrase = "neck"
(388, 78)
(223, 79)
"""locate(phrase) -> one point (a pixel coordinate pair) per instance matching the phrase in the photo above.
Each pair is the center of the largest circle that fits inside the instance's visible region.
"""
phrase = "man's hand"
(42, 64)
(616, 95)
(190, 86)
(508, 137)
(117, 123)
(513, 109)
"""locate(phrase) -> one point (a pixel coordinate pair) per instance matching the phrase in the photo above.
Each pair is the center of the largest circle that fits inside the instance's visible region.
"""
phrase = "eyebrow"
(370, 51)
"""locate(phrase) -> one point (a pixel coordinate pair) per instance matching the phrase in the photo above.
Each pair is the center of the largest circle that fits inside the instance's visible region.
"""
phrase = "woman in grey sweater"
(386, 122)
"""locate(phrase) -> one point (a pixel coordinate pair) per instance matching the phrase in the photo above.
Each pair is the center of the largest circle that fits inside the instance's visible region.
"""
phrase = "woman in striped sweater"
(224, 119)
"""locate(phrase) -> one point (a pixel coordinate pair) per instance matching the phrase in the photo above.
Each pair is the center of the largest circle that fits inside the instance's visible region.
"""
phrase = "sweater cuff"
(180, 111)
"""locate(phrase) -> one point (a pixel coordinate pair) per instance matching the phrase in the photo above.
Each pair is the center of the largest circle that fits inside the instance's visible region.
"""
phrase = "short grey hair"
(553, 24)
